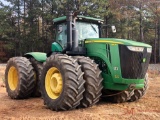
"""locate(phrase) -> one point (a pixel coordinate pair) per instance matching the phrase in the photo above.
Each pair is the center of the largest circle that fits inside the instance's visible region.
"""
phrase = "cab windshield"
(85, 30)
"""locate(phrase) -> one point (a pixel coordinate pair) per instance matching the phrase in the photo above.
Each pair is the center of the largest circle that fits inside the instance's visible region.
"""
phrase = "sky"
(4, 2)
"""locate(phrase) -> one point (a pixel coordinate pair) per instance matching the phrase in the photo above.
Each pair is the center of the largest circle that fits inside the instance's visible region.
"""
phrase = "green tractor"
(81, 68)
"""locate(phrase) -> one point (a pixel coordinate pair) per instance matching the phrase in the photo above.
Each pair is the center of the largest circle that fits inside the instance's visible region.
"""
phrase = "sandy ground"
(147, 108)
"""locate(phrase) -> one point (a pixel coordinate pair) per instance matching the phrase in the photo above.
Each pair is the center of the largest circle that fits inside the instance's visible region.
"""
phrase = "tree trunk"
(24, 23)
(141, 22)
(24, 30)
(159, 40)
(42, 18)
(155, 44)
(20, 46)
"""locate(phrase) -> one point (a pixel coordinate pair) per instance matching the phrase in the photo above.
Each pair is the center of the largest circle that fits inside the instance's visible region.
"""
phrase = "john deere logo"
(144, 60)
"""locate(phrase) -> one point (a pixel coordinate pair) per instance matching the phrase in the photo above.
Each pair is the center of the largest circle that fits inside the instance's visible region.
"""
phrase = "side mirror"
(113, 29)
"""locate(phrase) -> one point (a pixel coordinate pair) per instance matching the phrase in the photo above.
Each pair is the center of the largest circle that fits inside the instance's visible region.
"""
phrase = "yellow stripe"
(102, 41)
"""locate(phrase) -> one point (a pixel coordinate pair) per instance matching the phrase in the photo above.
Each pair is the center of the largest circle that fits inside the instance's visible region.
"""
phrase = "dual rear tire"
(62, 82)
(79, 84)
(19, 78)
(22, 77)
(93, 82)
(37, 68)
(66, 83)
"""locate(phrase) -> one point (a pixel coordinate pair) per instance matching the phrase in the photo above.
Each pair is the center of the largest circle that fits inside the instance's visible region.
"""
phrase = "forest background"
(27, 25)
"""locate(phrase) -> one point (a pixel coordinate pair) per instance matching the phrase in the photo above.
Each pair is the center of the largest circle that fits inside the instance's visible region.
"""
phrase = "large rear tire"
(141, 92)
(19, 78)
(93, 81)
(37, 67)
(62, 82)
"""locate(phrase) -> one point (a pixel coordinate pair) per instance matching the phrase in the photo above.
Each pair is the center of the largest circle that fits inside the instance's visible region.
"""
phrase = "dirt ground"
(147, 108)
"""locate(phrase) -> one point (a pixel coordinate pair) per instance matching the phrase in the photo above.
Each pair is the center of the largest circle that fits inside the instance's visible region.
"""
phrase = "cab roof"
(79, 18)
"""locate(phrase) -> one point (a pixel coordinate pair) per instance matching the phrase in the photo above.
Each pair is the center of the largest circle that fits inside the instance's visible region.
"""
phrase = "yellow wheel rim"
(53, 83)
(13, 78)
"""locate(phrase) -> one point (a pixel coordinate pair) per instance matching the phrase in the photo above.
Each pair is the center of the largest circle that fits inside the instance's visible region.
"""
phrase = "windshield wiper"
(93, 28)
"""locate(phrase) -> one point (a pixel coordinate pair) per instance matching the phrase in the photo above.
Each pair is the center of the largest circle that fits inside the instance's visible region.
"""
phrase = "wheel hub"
(56, 83)
(53, 83)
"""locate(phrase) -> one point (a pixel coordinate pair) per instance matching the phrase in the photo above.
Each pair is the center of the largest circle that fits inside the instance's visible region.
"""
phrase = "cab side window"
(61, 36)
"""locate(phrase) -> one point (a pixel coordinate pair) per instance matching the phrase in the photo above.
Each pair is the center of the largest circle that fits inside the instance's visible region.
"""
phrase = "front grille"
(132, 65)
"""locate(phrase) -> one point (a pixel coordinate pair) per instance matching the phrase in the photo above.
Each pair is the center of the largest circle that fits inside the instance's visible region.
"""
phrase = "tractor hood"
(116, 41)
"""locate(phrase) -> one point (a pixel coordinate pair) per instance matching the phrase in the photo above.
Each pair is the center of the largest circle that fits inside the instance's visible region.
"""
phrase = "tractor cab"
(71, 32)
(86, 27)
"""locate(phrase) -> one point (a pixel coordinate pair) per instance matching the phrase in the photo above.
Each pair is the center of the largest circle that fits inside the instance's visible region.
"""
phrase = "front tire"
(62, 83)
(115, 96)
(19, 78)
(93, 81)
(141, 92)
(121, 97)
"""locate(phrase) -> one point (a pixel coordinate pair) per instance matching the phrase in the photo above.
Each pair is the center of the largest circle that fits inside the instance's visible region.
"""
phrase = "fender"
(39, 56)
(56, 47)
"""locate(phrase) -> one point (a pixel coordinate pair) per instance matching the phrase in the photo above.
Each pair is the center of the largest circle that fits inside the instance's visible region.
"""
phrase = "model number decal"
(115, 68)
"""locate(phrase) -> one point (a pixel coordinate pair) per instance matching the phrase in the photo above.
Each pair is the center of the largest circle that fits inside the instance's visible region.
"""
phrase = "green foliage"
(26, 25)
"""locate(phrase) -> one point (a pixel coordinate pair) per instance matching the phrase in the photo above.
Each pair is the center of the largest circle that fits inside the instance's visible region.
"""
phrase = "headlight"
(138, 49)
(135, 49)
(149, 50)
